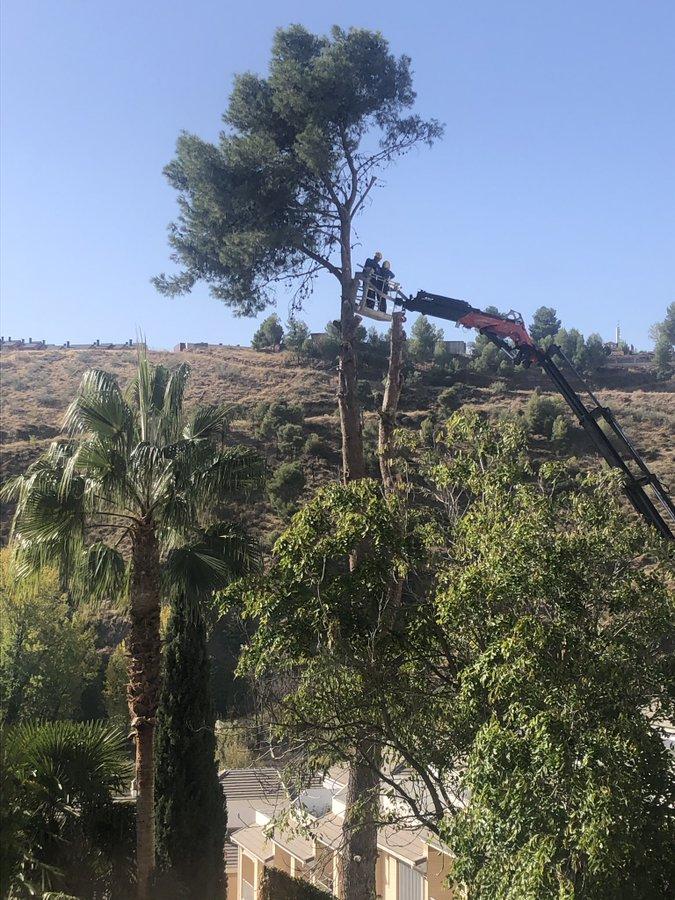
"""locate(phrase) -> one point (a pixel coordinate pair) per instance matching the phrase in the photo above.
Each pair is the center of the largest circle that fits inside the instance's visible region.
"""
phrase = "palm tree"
(58, 784)
(137, 469)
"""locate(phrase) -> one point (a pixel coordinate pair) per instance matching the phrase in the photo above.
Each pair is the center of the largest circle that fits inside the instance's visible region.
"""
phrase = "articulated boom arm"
(644, 490)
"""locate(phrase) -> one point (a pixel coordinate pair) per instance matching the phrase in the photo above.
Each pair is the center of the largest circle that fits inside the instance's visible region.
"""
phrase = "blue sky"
(555, 183)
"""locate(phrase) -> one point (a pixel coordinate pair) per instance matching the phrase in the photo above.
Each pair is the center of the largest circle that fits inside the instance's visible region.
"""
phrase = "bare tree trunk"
(353, 466)
(143, 691)
(392, 394)
(359, 856)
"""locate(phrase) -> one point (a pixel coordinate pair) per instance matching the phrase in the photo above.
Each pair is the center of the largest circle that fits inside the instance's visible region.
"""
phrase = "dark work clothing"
(385, 276)
(374, 272)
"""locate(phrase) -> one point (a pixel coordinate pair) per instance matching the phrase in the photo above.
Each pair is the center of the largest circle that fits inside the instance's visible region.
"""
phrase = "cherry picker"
(644, 490)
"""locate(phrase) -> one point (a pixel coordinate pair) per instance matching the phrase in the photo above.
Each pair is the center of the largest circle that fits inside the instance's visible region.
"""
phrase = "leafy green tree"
(545, 323)
(488, 359)
(560, 429)
(269, 334)
(47, 652)
(189, 804)
(135, 467)
(663, 356)
(290, 440)
(269, 418)
(276, 199)
(557, 638)
(667, 326)
(59, 826)
(285, 486)
(541, 412)
(424, 337)
(298, 339)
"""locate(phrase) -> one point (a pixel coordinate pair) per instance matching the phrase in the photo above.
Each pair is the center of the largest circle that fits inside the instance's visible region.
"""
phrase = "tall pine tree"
(190, 814)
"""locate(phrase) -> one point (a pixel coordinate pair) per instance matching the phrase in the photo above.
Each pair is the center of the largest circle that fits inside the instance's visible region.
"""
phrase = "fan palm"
(137, 469)
(58, 784)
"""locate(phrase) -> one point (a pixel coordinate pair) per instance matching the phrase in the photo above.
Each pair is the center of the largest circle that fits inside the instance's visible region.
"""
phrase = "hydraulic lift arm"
(644, 490)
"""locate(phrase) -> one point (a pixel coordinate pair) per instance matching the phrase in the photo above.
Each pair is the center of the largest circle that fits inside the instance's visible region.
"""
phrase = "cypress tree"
(190, 814)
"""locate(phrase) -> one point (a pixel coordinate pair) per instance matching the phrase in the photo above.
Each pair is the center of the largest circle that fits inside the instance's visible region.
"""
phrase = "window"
(410, 883)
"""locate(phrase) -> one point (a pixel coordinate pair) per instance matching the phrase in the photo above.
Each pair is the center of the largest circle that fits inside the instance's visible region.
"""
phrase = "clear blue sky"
(555, 183)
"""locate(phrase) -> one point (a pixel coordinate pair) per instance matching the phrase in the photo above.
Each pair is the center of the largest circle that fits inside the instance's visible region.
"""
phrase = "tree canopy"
(276, 196)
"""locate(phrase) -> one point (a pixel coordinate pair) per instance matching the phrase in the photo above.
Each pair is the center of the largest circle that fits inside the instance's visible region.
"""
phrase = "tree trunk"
(392, 394)
(359, 854)
(143, 690)
(353, 466)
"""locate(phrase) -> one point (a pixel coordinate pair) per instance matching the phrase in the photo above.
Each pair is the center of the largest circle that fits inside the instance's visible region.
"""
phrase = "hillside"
(36, 387)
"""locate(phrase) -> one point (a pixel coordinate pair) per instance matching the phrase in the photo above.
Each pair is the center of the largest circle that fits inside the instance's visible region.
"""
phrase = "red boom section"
(498, 326)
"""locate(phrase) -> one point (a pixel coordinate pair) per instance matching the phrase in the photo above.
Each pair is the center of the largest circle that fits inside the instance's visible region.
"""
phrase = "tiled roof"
(231, 856)
(328, 830)
(241, 784)
(295, 844)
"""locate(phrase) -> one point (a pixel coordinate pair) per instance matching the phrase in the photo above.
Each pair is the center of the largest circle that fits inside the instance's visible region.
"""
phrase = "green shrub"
(449, 399)
(315, 446)
(541, 412)
(277, 885)
(560, 429)
(427, 430)
(499, 387)
(290, 439)
(285, 487)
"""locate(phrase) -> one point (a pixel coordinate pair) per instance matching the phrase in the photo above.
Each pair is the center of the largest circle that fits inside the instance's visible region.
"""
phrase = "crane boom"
(644, 490)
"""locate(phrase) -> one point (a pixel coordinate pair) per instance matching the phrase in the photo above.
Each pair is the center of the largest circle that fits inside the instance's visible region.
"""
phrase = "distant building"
(185, 346)
(456, 348)
(30, 344)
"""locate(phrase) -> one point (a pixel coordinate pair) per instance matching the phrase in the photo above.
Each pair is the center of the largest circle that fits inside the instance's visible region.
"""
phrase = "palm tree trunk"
(143, 690)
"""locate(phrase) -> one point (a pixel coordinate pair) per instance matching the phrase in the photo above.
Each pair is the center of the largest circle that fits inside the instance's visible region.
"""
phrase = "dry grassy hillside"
(36, 387)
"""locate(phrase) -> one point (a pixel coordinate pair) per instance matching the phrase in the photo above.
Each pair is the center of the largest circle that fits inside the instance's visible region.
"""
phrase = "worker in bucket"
(372, 270)
(385, 276)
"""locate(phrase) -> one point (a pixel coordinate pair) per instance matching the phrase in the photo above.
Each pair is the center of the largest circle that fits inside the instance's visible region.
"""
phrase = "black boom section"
(616, 449)
(439, 306)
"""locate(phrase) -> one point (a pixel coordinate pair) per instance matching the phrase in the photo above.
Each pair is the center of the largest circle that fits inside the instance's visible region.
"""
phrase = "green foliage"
(47, 652)
(585, 355)
(488, 358)
(499, 387)
(255, 208)
(232, 750)
(290, 440)
(59, 827)
(449, 399)
(557, 632)
(667, 326)
(545, 323)
(189, 806)
(424, 338)
(560, 429)
(285, 486)
(115, 687)
(315, 446)
(541, 412)
(277, 885)
(663, 356)
(298, 340)
(270, 334)
(268, 418)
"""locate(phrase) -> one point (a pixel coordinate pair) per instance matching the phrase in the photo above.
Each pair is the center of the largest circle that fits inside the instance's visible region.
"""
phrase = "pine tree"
(189, 806)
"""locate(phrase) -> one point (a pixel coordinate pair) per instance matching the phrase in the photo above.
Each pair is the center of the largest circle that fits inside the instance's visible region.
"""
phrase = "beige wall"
(438, 868)
(387, 886)
(282, 860)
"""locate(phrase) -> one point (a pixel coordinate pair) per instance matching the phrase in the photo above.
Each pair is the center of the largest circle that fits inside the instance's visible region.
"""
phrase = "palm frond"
(209, 422)
(216, 557)
(232, 471)
(103, 572)
(99, 408)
